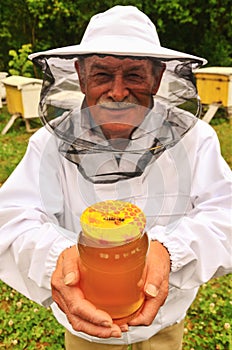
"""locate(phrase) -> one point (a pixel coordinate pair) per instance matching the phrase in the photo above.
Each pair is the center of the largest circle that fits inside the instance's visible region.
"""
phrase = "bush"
(19, 64)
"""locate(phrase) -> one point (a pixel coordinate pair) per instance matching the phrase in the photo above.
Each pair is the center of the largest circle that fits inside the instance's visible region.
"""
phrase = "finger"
(151, 290)
(147, 315)
(71, 301)
(95, 330)
(103, 329)
(82, 315)
(151, 307)
(141, 282)
(86, 310)
(157, 268)
(70, 266)
(124, 327)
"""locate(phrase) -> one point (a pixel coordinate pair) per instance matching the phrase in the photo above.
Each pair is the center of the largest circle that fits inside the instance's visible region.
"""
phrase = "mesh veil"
(63, 111)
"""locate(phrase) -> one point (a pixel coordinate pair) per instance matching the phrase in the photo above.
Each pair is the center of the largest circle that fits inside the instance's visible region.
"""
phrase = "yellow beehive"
(22, 95)
(214, 85)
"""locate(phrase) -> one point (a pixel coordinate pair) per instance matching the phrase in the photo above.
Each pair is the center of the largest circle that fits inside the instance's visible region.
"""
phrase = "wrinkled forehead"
(138, 59)
(115, 61)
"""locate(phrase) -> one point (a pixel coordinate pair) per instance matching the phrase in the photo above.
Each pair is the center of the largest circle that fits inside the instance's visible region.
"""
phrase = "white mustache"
(117, 105)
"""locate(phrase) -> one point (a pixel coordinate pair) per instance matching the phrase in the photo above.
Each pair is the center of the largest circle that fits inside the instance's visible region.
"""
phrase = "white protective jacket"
(185, 194)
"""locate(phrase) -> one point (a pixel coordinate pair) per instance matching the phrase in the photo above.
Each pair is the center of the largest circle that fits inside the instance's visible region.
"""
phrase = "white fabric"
(121, 30)
(185, 194)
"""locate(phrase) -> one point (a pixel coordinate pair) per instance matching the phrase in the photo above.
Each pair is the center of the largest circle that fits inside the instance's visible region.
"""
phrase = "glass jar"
(112, 248)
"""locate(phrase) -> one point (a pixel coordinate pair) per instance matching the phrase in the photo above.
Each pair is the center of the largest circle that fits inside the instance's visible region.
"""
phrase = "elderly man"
(135, 136)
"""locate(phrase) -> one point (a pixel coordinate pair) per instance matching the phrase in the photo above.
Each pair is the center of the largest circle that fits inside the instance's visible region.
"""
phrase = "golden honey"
(112, 248)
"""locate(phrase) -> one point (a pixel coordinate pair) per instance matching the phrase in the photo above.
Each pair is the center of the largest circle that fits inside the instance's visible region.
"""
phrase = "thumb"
(158, 267)
(70, 266)
(151, 290)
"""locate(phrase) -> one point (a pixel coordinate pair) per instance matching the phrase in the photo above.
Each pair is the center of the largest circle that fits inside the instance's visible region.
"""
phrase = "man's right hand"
(82, 315)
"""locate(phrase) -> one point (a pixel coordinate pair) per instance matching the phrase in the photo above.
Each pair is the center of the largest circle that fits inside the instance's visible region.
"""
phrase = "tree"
(194, 26)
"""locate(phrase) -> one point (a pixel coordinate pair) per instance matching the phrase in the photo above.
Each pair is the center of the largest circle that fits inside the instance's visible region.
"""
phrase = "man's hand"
(82, 315)
(155, 281)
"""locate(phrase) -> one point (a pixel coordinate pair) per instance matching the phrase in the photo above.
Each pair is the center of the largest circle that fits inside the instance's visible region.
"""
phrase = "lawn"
(26, 325)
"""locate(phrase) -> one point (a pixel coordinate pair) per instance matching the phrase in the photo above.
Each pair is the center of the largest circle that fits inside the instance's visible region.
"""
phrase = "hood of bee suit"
(121, 31)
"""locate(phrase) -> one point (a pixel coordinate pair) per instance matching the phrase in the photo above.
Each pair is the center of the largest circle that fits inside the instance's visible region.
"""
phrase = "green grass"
(12, 145)
(26, 325)
(208, 322)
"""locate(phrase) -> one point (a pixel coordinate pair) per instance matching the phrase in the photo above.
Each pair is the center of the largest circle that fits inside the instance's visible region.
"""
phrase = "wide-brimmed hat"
(121, 30)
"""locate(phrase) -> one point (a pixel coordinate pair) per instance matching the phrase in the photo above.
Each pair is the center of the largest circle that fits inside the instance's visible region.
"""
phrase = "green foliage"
(224, 132)
(12, 145)
(208, 322)
(19, 64)
(26, 325)
(197, 27)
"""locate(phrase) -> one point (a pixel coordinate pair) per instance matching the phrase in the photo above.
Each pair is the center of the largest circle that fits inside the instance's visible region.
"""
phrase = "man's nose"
(118, 90)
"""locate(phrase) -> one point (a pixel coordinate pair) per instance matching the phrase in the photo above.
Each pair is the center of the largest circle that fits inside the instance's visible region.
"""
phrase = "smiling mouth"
(117, 106)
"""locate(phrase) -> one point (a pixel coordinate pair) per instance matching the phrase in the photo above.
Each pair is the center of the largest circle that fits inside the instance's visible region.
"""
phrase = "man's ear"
(158, 77)
(80, 76)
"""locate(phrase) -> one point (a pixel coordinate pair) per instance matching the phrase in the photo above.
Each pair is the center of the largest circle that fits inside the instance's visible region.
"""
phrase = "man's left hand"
(155, 281)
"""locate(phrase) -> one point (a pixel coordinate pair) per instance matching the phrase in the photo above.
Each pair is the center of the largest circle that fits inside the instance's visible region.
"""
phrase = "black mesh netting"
(100, 160)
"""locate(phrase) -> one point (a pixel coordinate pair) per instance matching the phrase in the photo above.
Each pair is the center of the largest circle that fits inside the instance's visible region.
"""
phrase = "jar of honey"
(112, 248)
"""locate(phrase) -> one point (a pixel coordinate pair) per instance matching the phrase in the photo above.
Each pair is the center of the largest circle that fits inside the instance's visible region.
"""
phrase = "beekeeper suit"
(171, 167)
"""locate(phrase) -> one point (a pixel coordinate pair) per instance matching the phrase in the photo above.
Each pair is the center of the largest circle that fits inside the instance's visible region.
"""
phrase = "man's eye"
(134, 76)
(102, 76)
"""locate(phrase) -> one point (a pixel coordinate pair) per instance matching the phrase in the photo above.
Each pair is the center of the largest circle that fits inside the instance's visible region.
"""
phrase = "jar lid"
(113, 222)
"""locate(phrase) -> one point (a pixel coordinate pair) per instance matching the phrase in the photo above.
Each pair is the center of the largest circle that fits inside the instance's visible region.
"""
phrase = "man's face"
(121, 90)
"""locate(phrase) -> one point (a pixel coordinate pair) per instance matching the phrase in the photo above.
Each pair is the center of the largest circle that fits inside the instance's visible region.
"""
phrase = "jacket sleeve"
(30, 236)
(200, 243)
